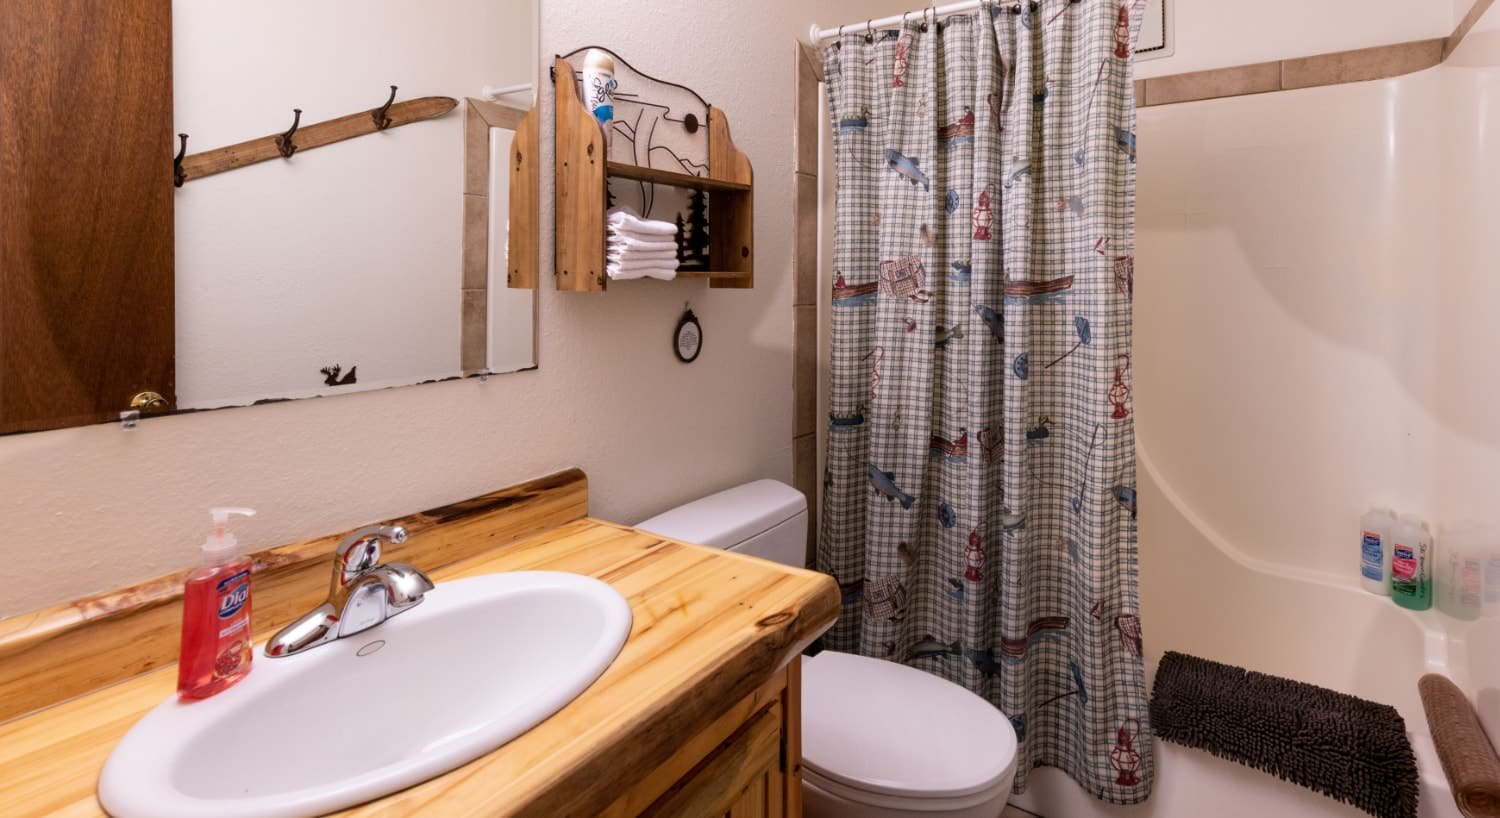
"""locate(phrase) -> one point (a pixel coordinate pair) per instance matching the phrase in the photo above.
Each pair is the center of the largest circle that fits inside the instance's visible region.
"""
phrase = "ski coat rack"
(306, 137)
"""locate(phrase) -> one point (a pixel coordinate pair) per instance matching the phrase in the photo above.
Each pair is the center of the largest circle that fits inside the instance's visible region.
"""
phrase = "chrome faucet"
(363, 593)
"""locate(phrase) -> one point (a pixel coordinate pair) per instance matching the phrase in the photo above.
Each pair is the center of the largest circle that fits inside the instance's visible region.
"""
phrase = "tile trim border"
(1475, 12)
(1334, 68)
(807, 128)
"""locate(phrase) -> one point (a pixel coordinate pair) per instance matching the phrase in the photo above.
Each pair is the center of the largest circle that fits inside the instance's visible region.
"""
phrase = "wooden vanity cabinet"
(747, 764)
(699, 715)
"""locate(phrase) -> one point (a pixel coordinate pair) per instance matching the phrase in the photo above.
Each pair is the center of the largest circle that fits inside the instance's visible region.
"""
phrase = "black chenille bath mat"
(1347, 748)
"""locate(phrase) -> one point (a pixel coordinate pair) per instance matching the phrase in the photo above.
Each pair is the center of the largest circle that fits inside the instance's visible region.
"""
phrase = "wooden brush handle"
(1468, 758)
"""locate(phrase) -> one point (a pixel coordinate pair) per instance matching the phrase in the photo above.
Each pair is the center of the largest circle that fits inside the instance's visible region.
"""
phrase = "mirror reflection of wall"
(511, 336)
(350, 256)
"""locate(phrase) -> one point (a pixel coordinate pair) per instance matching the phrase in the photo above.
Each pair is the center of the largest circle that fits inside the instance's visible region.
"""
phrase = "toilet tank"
(766, 519)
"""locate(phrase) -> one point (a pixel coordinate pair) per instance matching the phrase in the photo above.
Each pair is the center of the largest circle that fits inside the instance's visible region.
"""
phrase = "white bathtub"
(1202, 597)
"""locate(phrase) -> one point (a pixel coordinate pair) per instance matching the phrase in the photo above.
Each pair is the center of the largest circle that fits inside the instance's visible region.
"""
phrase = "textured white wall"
(92, 508)
(1219, 33)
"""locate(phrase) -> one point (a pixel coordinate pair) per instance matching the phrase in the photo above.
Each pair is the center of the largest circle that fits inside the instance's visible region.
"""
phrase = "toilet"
(879, 739)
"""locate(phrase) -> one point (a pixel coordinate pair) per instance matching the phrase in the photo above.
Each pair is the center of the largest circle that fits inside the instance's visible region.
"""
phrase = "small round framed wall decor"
(687, 340)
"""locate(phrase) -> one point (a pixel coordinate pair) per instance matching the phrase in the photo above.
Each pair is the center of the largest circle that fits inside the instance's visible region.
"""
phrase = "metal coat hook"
(178, 177)
(381, 120)
(284, 141)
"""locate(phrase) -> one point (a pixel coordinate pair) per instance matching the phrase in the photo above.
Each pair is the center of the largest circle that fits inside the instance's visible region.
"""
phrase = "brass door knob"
(148, 402)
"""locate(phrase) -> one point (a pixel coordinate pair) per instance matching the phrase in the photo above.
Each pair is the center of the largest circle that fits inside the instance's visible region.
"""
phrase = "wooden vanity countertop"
(710, 627)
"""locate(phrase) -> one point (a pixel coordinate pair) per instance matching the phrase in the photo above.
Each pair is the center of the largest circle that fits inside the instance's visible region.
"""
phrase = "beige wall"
(91, 508)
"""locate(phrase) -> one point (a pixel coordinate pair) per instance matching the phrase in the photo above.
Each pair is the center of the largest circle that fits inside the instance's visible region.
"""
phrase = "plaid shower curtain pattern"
(979, 508)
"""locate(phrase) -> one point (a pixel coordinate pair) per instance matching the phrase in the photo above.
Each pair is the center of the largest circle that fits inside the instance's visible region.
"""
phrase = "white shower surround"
(1313, 266)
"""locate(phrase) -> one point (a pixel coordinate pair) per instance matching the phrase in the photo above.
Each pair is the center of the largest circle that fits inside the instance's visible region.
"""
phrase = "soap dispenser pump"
(216, 614)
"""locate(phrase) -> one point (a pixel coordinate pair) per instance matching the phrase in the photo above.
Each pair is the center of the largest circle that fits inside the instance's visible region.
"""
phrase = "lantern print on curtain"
(980, 491)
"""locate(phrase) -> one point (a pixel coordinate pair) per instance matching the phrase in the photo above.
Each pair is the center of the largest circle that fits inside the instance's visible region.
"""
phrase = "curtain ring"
(923, 27)
(869, 33)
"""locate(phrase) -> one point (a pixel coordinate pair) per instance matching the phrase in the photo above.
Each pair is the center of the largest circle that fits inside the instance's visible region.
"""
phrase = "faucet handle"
(359, 551)
(405, 585)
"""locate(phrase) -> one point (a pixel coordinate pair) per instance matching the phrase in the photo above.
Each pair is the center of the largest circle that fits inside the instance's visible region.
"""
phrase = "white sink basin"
(477, 663)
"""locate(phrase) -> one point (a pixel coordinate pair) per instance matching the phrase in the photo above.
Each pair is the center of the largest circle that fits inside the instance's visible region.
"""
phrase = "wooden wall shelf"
(582, 177)
(667, 177)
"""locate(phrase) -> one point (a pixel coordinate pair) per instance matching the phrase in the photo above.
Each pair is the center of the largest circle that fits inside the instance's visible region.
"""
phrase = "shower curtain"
(979, 501)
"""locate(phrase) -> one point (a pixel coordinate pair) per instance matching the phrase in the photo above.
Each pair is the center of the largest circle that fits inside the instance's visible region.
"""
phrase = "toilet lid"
(887, 728)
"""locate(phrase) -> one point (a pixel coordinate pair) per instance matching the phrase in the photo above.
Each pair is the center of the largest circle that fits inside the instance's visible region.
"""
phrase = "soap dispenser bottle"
(216, 615)
(1460, 577)
(1374, 543)
(1411, 564)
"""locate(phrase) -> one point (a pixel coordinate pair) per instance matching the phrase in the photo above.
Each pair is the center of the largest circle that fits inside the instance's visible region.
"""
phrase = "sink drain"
(370, 648)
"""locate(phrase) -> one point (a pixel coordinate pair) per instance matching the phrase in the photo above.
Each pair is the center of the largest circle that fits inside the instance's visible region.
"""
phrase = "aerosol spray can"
(599, 89)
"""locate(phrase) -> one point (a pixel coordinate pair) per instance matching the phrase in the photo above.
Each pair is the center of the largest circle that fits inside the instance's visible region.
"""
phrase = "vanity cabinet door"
(762, 797)
(86, 241)
(746, 764)
(742, 778)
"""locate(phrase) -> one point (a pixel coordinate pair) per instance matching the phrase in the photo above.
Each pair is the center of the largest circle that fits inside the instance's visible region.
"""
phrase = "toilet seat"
(998, 793)
(884, 734)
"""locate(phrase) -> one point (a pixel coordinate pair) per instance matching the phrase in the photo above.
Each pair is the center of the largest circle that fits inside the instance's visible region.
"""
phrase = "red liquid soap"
(216, 616)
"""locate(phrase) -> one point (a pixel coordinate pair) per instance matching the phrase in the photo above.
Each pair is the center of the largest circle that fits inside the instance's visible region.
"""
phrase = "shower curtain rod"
(816, 35)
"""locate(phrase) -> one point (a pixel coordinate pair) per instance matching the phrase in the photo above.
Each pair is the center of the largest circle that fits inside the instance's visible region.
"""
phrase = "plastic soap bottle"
(216, 615)
(1411, 564)
(1374, 542)
(1460, 580)
(1490, 543)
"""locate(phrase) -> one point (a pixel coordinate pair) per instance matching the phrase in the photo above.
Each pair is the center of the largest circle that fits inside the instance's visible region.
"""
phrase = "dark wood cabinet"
(86, 240)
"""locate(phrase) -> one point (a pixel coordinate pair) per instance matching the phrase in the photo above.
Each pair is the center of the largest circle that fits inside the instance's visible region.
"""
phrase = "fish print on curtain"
(980, 494)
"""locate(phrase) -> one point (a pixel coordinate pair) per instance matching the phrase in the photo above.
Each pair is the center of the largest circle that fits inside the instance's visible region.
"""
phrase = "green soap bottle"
(1411, 564)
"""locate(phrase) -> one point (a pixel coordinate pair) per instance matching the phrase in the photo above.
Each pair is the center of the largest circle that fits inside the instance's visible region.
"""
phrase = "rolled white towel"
(643, 235)
(625, 243)
(663, 271)
(624, 221)
(634, 257)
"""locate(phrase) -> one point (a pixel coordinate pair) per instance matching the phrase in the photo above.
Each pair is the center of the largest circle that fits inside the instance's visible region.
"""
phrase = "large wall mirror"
(345, 269)
(370, 260)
